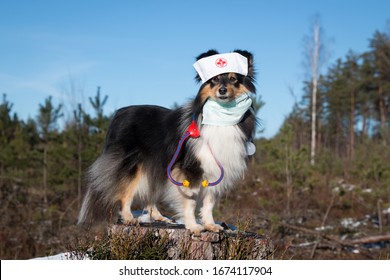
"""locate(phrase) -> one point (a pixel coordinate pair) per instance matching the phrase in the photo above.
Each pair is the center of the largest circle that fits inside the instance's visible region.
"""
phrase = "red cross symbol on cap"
(221, 62)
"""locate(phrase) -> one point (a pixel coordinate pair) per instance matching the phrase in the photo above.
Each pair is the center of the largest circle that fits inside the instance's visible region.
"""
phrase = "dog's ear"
(203, 55)
(206, 54)
(249, 56)
(250, 78)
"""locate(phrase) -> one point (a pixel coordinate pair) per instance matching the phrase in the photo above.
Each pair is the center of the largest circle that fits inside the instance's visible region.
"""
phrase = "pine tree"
(8, 126)
(365, 95)
(257, 104)
(352, 76)
(47, 121)
(380, 47)
(79, 128)
(97, 104)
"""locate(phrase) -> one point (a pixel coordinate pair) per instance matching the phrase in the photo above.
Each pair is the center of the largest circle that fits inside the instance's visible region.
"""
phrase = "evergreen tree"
(97, 104)
(380, 47)
(257, 104)
(79, 129)
(8, 126)
(47, 122)
(365, 95)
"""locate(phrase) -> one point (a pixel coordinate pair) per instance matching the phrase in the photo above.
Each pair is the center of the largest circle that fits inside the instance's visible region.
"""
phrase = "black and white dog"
(186, 157)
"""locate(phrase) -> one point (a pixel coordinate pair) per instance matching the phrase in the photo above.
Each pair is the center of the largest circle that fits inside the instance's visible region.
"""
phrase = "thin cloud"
(45, 83)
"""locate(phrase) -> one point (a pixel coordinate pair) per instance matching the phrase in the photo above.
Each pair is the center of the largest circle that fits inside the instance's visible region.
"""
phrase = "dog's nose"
(222, 90)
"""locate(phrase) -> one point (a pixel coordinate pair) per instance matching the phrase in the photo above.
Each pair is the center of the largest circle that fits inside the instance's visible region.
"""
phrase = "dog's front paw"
(128, 219)
(213, 227)
(131, 222)
(165, 220)
(196, 229)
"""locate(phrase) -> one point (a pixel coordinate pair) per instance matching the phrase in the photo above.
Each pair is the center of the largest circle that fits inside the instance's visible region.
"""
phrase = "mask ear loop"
(193, 132)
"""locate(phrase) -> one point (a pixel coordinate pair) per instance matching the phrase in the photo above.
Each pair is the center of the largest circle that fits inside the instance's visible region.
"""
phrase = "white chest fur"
(227, 144)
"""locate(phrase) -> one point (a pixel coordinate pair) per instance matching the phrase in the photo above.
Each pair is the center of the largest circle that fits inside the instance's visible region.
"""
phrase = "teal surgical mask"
(228, 113)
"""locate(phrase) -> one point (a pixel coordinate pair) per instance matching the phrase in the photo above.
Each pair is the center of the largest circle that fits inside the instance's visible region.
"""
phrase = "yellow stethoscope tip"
(186, 183)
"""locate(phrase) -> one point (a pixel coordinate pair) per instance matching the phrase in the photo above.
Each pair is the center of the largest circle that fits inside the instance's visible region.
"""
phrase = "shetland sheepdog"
(141, 142)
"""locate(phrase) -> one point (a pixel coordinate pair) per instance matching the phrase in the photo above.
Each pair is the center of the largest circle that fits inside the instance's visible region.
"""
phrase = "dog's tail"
(103, 189)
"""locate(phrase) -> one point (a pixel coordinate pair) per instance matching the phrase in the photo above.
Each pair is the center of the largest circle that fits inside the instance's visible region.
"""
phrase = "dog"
(143, 141)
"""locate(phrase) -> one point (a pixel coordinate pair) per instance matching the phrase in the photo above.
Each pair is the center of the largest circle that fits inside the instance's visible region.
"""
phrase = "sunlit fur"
(140, 143)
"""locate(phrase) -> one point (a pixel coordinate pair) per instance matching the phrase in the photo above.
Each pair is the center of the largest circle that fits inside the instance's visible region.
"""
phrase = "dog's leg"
(127, 199)
(206, 212)
(125, 213)
(156, 215)
(189, 206)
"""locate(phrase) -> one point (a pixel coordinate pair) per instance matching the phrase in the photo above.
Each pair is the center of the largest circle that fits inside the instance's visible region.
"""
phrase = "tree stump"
(229, 244)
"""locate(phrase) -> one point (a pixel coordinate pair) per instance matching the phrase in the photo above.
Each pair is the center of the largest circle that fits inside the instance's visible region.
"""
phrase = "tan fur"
(189, 206)
(208, 92)
(127, 197)
(156, 215)
(232, 91)
(137, 187)
(206, 213)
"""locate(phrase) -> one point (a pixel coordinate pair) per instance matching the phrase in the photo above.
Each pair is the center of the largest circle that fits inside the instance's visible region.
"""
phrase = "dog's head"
(227, 86)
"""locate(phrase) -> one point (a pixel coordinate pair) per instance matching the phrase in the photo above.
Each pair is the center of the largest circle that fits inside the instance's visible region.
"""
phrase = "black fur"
(142, 134)
(147, 136)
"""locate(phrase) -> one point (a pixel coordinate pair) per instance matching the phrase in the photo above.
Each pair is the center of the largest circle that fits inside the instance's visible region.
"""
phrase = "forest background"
(307, 208)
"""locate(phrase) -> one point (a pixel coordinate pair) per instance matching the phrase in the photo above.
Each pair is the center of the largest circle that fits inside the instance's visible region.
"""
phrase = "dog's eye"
(233, 79)
(215, 80)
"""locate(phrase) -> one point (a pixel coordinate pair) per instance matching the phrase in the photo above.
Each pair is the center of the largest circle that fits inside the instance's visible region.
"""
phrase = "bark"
(208, 246)
(45, 174)
(315, 56)
(79, 168)
(352, 127)
(382, 112)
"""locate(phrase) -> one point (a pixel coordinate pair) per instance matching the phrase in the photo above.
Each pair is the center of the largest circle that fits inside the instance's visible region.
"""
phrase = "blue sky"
(141, 52)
